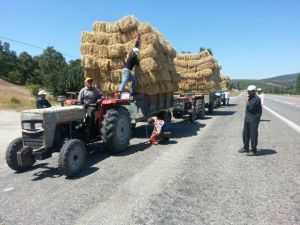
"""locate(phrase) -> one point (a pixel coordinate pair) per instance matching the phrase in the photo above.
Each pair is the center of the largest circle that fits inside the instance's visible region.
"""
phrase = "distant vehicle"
(220, 98)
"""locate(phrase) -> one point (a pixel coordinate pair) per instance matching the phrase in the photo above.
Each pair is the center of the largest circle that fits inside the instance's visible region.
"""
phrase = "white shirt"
(261, 96)
(226, 94)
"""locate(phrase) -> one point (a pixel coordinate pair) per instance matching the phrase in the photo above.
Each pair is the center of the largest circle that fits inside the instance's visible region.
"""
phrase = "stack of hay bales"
(224, 83)
(106, 48)
(199, 72)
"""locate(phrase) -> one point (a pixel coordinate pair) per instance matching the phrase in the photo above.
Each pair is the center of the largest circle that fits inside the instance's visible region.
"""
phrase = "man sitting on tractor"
(42, 102)
(132, 60)
(161, 130)
(88, 97)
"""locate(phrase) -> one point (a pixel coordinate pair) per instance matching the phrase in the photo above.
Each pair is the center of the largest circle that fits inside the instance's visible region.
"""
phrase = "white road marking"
(288, 122)
(8, 189)
(293, 103)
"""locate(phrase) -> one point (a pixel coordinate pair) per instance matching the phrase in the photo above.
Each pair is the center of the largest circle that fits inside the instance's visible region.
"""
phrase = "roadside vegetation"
(272, 85)
(48, 71)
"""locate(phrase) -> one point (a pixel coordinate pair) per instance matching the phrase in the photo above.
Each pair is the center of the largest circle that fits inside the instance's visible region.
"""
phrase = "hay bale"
(116, 51)
(99, 26)
(112, 41)
(128, 24)
(87, 37)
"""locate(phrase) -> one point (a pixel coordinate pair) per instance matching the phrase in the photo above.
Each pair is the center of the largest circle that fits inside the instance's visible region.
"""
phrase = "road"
(198, 178)
(289, 107)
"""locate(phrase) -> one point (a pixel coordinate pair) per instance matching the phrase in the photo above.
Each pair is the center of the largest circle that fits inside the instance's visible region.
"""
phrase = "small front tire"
(72, 157)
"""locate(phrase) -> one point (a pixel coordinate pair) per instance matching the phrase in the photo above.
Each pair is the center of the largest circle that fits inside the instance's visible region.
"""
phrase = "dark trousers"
(90, 122)
(250, 132)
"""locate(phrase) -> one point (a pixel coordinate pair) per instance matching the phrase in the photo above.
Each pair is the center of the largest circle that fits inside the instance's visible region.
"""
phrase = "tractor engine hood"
(50, 117)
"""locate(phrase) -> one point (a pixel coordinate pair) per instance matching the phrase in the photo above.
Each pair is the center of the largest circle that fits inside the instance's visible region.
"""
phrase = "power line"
(34, 46)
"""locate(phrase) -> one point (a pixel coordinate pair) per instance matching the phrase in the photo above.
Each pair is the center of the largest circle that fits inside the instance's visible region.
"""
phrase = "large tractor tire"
(72, 157)
(211, 109)
(200, 108)
(116, 129)
(11, 155)
(192, 117)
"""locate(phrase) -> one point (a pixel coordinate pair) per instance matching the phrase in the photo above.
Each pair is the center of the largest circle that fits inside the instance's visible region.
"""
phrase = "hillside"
(278, 84)
(15, 97)
(288, 79)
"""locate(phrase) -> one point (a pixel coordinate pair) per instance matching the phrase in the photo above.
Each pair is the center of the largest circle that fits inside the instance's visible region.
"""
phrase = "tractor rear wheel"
(192, 117)
(116, 129)
(11, 155)
(200, 108)
(72, 157)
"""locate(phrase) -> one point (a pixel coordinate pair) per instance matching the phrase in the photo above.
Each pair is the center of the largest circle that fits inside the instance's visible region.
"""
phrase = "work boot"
(243, 150)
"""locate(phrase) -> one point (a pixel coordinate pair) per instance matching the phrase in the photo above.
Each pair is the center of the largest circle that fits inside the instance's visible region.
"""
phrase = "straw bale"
(99, 26)
(128, 24)
(149, 51)
(113, 27)
(145, 28)
(104, 64)
(87, 37)
(117, 63)
(101, 38)
(116, 51)
(100, 51)
(87, 49)
(88, 62)
(116, 76)
(150, 65)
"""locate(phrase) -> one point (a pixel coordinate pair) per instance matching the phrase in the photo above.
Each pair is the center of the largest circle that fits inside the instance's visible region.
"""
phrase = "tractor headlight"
(38, 126)
(26, 126)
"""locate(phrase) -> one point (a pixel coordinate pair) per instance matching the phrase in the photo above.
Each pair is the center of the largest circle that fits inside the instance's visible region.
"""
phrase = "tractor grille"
(34, 141)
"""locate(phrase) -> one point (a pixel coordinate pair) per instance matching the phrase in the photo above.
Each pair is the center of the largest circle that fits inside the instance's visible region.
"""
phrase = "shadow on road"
(224, 113)
(265, 120)
(184, 129)
(54, 172)
(263, 152)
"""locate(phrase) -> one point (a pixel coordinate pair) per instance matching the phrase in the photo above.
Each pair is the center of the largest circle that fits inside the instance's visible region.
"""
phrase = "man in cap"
(260, 95)
(42, 102)
(251, 122)
(88, 97)
(132, 60)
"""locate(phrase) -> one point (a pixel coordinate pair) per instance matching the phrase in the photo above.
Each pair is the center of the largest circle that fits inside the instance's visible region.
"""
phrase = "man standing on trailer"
(132, 60)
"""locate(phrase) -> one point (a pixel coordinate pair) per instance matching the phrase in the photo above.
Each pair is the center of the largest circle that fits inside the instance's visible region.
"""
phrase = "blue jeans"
(126, 77)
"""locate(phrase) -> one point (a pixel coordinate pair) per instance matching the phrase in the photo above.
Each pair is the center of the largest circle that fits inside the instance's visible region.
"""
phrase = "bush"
(33, 88)
(15, 100)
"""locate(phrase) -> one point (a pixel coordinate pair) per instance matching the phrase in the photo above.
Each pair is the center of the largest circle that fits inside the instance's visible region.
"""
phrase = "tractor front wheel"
(11, 155)
(116, 129)
(72, 157)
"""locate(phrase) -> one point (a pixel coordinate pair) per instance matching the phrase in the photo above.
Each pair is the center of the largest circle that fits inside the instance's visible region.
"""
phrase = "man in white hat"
(251, 122)
(260, 95)
(42, 102)
(132, 60)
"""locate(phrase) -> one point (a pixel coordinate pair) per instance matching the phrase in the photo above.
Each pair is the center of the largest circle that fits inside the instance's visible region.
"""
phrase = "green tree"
(26, 66)
(8, 60)
(52, 66)
(298, 84)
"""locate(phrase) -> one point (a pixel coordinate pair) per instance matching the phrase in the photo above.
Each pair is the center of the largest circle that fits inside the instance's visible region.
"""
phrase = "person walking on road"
(132, 60)
(251, 122)
(42, 102)
(260, 94)
(226, 96)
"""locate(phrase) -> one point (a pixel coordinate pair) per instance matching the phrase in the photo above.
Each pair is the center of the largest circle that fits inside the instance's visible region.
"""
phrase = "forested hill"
(289, 84)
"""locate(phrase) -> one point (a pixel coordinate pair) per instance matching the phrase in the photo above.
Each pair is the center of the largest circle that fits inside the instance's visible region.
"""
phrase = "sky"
(251, 39)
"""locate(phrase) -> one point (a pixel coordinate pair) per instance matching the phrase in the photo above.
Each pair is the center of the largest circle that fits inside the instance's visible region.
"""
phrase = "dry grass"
(16, 97)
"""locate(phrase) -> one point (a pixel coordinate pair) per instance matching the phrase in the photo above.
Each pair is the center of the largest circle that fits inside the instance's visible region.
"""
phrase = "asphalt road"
(289, 107)
(198, 178)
